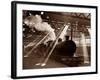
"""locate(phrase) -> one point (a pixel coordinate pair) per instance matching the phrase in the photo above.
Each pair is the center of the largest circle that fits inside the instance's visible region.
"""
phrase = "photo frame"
(50, 39)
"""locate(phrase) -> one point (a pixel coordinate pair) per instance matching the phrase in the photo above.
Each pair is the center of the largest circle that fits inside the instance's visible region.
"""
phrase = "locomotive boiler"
(65, 48)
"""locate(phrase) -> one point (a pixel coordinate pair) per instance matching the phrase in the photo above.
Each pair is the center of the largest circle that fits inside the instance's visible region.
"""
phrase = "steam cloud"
(37, 23)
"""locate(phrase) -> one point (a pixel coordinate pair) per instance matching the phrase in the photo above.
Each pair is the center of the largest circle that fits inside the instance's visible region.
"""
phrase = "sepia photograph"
(56, 39)
(53, 39)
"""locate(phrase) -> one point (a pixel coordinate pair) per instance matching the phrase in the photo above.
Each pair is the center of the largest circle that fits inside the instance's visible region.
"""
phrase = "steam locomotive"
(66, 48)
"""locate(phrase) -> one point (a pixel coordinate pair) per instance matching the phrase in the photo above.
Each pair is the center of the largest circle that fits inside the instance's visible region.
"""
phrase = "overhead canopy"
(64, 17)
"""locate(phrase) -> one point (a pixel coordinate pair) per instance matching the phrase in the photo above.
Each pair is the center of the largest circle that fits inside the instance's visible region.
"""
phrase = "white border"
(35, 72)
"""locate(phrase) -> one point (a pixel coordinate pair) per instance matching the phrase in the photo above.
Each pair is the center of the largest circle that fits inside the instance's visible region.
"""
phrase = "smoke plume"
(37, 23)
